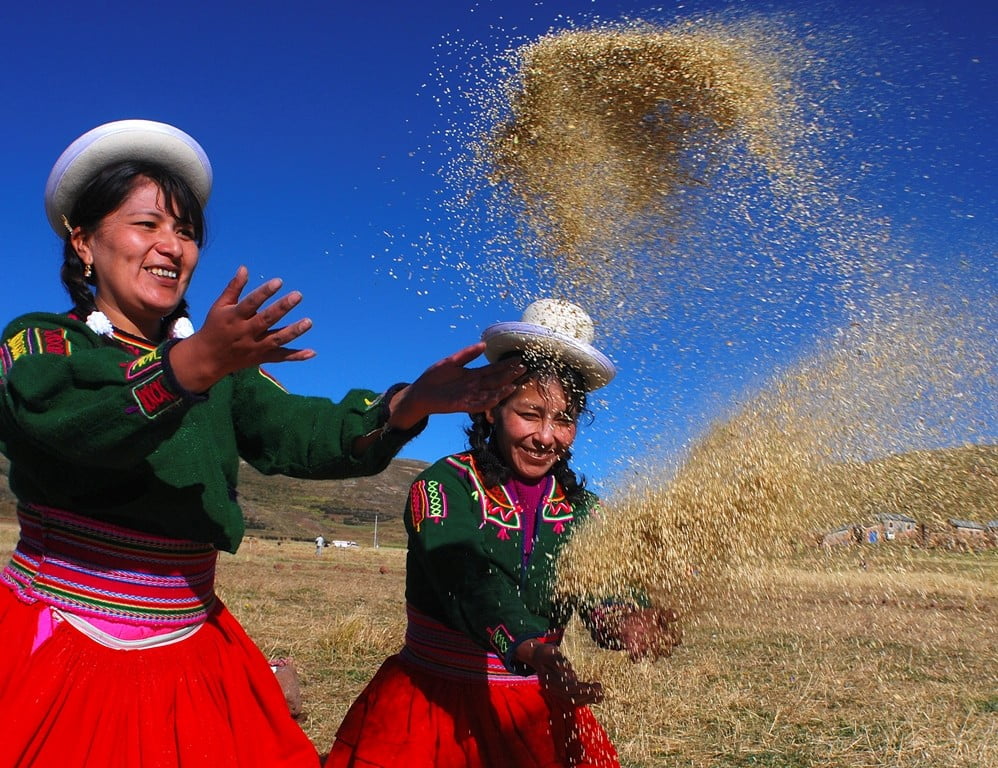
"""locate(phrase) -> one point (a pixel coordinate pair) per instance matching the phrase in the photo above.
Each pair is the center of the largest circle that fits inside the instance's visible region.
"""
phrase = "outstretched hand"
(556, 675)
(650, 633)
(448, 386)
(239, 333)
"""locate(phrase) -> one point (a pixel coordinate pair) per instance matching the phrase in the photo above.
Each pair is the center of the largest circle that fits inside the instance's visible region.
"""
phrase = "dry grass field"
(819, 663)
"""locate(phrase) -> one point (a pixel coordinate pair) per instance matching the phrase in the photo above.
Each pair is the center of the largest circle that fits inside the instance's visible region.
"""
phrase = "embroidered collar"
(500, 508)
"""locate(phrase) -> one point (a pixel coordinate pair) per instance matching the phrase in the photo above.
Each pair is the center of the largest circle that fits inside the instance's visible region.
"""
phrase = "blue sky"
(323, 127)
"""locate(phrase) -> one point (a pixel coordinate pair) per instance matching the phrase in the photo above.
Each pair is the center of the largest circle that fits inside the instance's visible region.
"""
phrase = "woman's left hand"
(448, 386)
(239, 332)
(650, 633)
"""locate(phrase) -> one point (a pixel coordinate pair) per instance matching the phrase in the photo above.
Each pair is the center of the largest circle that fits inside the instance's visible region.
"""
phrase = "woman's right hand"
(448, 386)
(239, 333)
(556, 675)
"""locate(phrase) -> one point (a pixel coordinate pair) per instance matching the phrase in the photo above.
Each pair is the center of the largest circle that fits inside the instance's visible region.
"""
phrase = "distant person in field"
(320, 542)
(125, 428)
(481, 681)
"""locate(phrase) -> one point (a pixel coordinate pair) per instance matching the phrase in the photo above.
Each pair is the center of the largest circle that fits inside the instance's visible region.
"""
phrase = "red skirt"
(415, 713)
(209, 700)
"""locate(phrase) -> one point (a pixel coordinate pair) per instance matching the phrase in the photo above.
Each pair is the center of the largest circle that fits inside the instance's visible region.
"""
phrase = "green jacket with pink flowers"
(99, 426)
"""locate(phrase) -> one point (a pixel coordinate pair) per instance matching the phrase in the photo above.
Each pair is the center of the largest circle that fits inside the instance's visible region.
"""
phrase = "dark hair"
(481, 433)
(104, 194)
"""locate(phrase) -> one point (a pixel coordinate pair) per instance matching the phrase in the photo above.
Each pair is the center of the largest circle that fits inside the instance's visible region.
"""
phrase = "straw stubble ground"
(818, 663)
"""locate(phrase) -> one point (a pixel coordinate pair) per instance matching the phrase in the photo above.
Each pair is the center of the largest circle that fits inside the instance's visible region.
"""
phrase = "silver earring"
(88, 271)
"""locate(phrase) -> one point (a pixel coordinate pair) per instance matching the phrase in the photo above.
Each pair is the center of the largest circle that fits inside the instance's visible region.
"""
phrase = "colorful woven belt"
(432, 646)
(90, 568)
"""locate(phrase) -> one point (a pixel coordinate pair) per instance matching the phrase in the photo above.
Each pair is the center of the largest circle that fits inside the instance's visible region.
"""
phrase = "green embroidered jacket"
(99, 426)
(465, 564)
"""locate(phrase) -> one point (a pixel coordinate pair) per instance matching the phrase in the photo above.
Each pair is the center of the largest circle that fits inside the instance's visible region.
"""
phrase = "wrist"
(397, 407)
(188, 366)
(396, 420)
(526, 650)
(176, 383)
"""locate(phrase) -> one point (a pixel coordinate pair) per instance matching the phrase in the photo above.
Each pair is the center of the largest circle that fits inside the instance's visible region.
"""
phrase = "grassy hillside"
(285, 507)
(930, 486)
(277, 506)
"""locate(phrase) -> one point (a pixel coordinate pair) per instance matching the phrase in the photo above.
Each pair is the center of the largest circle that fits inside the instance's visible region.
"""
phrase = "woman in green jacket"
(481, 681)
(125, 429)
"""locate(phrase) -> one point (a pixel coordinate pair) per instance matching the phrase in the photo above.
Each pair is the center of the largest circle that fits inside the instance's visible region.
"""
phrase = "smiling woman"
(125, 429)
(140, 256)
(482, 681)
(535, 427)
(143, 256)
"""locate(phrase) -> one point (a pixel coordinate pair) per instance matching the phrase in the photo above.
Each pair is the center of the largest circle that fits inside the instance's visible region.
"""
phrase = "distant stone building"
(895, 525)
(845, 534)
(885, 526)
(968, 528)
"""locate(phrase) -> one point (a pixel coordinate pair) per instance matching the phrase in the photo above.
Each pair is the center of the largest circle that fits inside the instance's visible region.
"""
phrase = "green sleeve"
(477, 591)
(312, 437)
(64, 390)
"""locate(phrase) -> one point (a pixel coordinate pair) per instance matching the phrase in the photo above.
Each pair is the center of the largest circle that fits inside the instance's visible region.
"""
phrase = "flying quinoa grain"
(651, 168)
(608, 128)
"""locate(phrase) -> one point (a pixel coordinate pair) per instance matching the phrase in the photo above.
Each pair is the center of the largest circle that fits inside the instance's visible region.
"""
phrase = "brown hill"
(279, 507)
(930, 486)
(285, 507)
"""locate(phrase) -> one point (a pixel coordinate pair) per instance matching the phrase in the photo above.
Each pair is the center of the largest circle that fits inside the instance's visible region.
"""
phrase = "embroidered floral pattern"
(557, 510)
(498, 507)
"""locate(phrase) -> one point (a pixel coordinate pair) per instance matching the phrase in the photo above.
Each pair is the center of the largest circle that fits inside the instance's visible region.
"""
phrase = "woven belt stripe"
(434, 647)
(96, 569)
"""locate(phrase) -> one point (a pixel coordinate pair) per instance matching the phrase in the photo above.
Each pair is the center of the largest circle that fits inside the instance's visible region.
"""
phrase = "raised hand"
(448, 386)
(239, 333)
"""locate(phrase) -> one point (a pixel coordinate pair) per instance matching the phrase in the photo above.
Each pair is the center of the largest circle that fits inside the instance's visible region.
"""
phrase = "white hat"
(113, 143)
(556, 328)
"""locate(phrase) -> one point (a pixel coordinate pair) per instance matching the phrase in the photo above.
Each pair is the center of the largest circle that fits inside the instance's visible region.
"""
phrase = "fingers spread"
(259, 296)
(280, 337)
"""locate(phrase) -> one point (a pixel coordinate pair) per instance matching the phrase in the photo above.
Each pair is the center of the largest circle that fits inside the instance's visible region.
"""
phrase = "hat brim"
(141, 140)
(503, 338)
